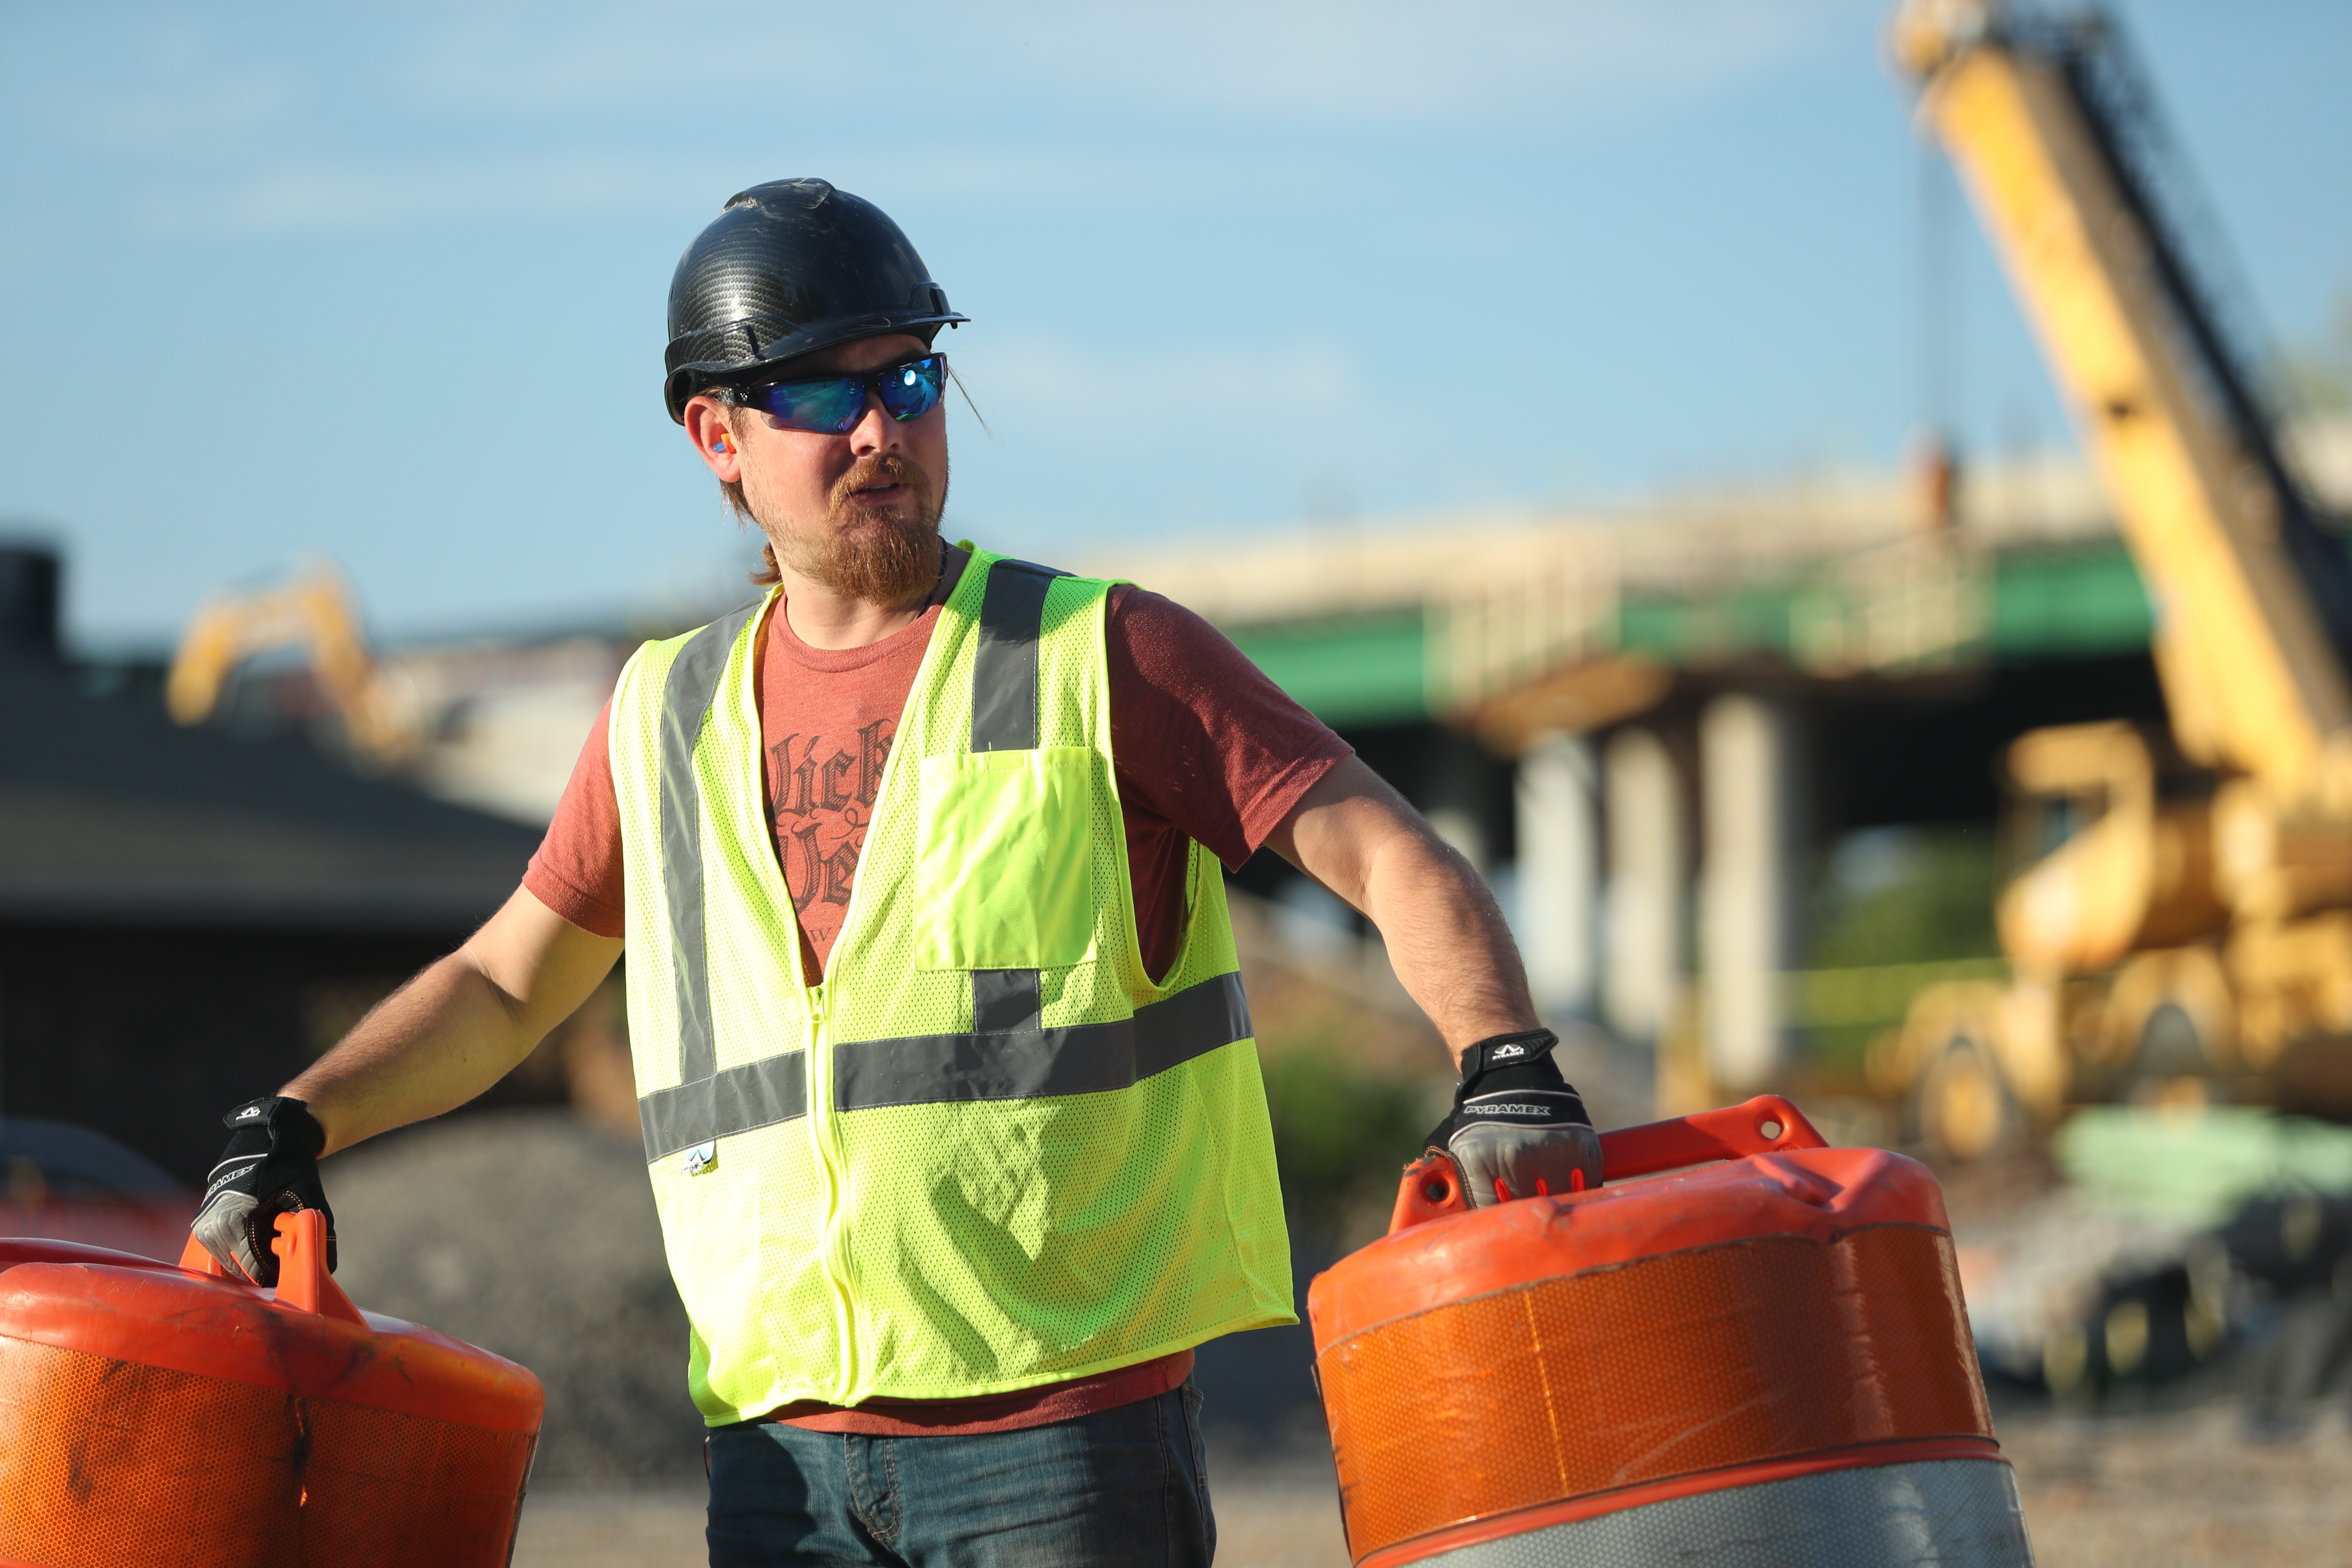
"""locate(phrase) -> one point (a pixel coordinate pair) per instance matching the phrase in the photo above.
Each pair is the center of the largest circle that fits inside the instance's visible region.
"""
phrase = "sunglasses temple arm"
(968, 402)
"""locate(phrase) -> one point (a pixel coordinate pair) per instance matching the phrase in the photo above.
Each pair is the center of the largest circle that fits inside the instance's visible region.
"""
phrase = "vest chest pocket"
(1004, 859)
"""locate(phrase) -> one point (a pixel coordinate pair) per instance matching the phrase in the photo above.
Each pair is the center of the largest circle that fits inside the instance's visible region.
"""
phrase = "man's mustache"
(881, 468)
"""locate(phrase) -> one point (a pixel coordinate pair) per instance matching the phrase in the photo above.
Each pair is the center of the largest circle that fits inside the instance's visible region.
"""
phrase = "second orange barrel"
(1760, 1363)
(155, 1415)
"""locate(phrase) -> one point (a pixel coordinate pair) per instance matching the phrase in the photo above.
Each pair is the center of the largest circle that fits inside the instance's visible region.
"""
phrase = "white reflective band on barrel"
(1929, 1513)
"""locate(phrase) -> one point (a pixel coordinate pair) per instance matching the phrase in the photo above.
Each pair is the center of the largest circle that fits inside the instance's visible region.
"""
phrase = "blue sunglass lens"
(825, 407)
(911, 390)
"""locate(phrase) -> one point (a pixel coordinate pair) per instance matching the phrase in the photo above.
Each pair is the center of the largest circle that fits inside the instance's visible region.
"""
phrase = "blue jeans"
(1124, 1488)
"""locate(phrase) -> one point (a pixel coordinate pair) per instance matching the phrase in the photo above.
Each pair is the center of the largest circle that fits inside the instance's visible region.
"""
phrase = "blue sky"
(387, 282)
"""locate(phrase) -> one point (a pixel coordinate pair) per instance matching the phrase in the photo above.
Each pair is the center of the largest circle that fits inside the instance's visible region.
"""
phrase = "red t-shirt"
(1205, 747)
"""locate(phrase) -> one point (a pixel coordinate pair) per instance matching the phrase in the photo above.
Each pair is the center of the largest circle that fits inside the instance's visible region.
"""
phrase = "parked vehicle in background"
(65, 1183)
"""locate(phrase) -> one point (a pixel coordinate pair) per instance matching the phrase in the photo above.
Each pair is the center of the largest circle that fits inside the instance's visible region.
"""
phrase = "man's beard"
(888, 554)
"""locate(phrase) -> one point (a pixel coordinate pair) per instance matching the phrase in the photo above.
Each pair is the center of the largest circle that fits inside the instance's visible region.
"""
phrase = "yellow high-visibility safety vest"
(988, 1151)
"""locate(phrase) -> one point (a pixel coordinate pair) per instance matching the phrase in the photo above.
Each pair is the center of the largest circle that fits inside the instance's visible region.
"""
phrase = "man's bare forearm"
(430, 1046)
(1445, 935)
(457, 1027)
(1446, 940)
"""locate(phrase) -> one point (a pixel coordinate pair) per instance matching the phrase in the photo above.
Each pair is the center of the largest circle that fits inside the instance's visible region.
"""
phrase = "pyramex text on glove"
(1517, 1129)
(270, 1167)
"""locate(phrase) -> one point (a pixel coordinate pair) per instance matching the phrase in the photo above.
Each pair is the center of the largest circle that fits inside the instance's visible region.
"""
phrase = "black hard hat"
(790, 266)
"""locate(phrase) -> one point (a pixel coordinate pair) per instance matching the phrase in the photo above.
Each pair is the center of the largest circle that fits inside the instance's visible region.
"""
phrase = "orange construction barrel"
(159, 1415)
(1760, 1360)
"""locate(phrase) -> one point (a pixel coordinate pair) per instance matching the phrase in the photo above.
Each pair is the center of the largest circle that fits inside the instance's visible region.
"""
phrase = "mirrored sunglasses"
(832, 405)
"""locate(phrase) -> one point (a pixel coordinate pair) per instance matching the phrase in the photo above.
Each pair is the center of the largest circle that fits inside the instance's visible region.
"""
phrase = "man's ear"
(710, 425)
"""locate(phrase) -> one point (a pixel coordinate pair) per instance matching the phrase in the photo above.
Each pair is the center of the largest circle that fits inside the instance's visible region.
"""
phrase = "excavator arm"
(315, 615)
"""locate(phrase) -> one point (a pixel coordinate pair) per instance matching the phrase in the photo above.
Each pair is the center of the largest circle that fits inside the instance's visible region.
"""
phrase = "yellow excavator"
(2178, 914)
(313, 613)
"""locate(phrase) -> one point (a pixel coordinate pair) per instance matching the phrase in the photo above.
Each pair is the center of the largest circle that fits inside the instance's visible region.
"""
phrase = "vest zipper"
(825, 1140)
(825, 1131)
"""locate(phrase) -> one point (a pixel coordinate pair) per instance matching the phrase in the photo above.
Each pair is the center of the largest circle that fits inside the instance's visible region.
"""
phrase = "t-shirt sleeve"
(577, 870)
(1201, 737)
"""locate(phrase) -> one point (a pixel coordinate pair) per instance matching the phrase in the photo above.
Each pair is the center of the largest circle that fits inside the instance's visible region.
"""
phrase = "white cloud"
(319, 193)
(175, 90)
(244, 123)
(1509, 61)
(1026, 383)
(1092, 440)
(738, 69)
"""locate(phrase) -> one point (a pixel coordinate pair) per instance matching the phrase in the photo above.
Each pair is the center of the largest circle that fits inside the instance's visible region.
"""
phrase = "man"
(949, 1100)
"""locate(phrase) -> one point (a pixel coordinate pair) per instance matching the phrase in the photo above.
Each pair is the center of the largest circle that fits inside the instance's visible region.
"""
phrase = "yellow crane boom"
(2171, 927)
(2244, 583)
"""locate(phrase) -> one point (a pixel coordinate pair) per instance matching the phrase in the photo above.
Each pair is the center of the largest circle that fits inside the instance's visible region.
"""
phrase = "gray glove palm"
(270, 1167)
(1517, 1129)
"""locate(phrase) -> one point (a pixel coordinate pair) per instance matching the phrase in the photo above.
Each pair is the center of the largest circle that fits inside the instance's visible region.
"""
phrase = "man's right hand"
(1517, 1129)
(271, 1167)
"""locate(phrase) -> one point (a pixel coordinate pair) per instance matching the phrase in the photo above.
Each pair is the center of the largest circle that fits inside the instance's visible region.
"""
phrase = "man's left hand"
(1518, 1129)
(271, 1167)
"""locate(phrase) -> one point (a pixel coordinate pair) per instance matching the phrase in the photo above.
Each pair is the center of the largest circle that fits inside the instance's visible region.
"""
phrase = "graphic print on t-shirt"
(1208, 749)
(823, 789)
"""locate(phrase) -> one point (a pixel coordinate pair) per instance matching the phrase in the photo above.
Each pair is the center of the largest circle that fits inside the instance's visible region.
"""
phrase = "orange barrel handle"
(1432, 1188)
(197, 1261)
(303, 1282)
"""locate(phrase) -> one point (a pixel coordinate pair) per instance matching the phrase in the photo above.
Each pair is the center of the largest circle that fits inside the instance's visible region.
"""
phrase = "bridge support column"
(1461, 795)
(1648, 869)
(1558, 872)
(1748, 907)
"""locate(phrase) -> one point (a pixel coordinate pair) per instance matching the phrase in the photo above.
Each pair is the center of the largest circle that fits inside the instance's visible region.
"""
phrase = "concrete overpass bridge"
(1642, 722)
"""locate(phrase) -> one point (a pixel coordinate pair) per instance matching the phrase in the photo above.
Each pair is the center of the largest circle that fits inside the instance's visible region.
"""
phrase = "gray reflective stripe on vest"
(1006, 1056)
(1004, 662)
(1004, 719)
(1025, 1064)
(686, 696)
(1004, 999)
(756, 1094)
(945, 1069)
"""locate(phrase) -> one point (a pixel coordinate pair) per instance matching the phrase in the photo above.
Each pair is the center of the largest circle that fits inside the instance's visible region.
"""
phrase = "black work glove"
(1517, 1122)
(270, 1168)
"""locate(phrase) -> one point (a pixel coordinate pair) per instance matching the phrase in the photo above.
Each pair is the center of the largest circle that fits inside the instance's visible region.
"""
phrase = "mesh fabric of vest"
(951, 1248)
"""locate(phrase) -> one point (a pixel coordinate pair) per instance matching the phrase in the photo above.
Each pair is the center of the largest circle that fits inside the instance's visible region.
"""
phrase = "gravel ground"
(2190, 1491)
(531, 1234)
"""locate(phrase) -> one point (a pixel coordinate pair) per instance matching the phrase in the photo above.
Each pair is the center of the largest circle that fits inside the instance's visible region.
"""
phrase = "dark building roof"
(112, 814)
